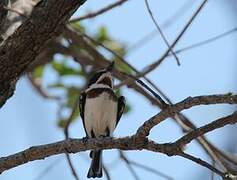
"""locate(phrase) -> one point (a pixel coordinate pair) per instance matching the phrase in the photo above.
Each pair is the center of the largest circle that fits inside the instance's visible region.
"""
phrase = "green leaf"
(75, 114)
(62, 123)
(127, 108)
(38, 72)
(123, 67)
(102, 35)
(56, 85)
(73, 94)
(77, 26)
(117, 92)
(64, 70)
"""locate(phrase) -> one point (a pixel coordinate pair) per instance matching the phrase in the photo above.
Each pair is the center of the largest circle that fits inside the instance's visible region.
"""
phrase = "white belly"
(100, 113)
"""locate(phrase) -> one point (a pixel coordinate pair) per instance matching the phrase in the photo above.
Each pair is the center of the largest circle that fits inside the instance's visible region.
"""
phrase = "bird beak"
(110, 67)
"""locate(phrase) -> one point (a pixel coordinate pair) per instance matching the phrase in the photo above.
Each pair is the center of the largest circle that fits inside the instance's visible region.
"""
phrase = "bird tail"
(96, 164)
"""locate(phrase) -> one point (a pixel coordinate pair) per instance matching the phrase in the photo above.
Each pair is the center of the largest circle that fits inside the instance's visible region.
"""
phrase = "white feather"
(100, 113)
(97, 86)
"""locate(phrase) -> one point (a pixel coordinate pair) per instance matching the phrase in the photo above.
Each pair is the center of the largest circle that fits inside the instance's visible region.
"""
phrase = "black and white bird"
(100, 110)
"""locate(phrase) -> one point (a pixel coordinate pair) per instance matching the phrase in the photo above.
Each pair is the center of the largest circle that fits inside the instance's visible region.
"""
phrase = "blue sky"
(28, 120)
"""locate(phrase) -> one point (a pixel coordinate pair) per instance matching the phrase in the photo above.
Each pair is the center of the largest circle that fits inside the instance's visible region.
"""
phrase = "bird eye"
(95, 77)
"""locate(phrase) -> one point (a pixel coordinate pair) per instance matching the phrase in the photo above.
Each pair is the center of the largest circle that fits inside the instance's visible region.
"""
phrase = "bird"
(100, 111)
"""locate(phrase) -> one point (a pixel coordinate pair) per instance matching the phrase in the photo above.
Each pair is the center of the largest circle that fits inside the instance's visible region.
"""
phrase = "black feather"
(95, 77)
(96, 164)
(82, 101)
(121, 106)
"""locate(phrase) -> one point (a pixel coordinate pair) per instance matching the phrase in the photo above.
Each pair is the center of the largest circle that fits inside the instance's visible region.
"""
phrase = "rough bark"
(137, 141)
(22, 47)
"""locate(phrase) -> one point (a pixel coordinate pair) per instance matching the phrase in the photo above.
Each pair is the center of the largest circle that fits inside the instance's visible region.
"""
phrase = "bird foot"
(85, 139)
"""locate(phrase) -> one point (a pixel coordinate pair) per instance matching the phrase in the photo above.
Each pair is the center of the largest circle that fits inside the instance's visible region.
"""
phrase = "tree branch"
(135, 142)
(99, 12)
(160, 31)
(21, 48)
(156, 64)
(3, 13)
(231, 119)
(183, 121)
(185, 104)
(67, 146)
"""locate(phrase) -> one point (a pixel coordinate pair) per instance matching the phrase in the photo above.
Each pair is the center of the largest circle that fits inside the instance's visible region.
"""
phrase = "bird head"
(103, 77)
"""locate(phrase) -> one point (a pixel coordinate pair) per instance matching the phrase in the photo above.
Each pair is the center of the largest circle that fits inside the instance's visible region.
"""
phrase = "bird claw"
(84, 139)
(102, 136)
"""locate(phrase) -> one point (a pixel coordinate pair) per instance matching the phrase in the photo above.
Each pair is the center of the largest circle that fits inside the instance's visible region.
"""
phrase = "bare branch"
(174, 17)
(154, 65)
(37, 86)
(185, 104)
(231, 119)
(135, 142)
(144, 167)
(152, 170)
(70, 118)
(47, 169)
(203, 163)
(106, 172)
(127, 162)
(72, 167)
(177, 151)
(160, 31)
(78, 145)
(67, 146)
(162, 102)
(66, 133)
(207, 41)
(157, 96)
(99, 61)
(99, 12)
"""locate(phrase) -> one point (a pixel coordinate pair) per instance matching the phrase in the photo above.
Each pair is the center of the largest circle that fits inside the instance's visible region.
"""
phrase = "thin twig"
(48, 168)
(161, 32)
(66, 133)
(207, 41)
(133, 68)
(231, 119)
(70, 118)
(154, 65)
(163, 104)
(225, 157)
(38, 87)
(183, 31)
(99, 61)
(127, 162)
(149, 36)
(107, 175)
(212, 173)
(75, 175)
(203, 163)
(185, 104)
(99, 12)
(152, 170)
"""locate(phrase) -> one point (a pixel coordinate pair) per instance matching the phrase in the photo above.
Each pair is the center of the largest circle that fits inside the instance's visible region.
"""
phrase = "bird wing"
(121, 106)
(82, 101)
